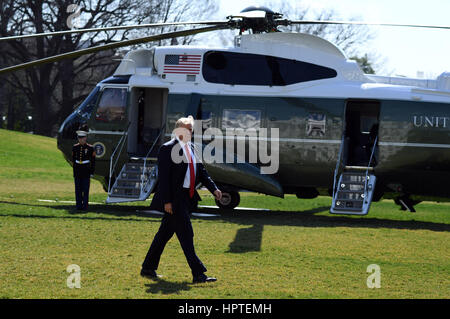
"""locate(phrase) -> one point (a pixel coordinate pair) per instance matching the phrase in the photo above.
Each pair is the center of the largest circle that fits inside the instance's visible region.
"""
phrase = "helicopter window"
(243, 119)
(112, 105)
(86, 108)
(216, 60)
(257, 69)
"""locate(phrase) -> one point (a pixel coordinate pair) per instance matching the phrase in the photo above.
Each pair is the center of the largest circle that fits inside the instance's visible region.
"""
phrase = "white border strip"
(107, 132)
(320, 141)
(414, 145)
(64, 201)
(282, 139)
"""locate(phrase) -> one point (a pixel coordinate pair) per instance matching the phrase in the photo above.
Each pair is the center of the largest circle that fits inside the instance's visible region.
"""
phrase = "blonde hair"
(184, 121)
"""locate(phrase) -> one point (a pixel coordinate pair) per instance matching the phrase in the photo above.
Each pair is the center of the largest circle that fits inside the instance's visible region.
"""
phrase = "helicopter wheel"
(229, 200)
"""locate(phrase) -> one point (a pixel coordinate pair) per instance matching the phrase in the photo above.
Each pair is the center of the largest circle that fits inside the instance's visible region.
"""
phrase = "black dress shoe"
(151, 274)
(203, 278)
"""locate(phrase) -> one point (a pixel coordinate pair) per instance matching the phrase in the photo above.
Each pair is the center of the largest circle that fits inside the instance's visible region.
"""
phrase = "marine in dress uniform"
(83, 157)
(175, 196)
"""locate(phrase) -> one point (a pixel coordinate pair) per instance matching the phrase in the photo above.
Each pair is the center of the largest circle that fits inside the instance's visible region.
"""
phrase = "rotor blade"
(124, 27)
(109, 46)
(369, 23)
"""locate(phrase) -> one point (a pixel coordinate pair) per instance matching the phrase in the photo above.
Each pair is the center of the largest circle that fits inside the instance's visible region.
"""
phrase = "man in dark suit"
(179, 170)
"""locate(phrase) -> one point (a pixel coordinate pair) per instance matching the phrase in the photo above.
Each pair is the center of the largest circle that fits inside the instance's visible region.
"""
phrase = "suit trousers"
(82, 192)
(180, 224)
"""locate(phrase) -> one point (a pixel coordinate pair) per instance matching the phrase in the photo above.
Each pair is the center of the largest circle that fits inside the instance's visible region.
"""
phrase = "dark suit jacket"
(171, 178)
(83, 153)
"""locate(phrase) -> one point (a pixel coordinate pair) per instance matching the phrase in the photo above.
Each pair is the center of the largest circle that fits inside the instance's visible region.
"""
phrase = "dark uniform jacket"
(83, 157)
(171, 178)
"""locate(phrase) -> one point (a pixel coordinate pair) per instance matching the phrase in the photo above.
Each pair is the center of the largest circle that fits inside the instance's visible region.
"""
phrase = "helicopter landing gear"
(406, 203)
(229, 200)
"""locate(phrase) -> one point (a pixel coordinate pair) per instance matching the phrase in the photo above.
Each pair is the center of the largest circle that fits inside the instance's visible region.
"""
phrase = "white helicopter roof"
(292, 45)
(147, 68)
(296, 46)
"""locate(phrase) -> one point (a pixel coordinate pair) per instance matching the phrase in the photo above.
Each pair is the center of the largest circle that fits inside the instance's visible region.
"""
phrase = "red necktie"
(192, 173)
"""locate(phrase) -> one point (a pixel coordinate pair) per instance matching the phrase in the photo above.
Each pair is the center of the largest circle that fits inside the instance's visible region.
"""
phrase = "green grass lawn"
(295, 250)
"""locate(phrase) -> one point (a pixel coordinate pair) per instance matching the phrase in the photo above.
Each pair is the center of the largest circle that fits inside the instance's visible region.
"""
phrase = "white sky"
(399, 50)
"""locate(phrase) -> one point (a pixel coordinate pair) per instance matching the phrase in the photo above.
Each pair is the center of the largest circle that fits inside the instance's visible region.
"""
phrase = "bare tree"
(174, 11)
(347, 37)
(10, 102)
(40, 83)
(54, 89)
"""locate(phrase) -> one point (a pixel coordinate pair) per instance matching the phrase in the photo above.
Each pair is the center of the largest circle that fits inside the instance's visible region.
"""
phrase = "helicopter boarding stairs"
(137, 178)
(353, 193)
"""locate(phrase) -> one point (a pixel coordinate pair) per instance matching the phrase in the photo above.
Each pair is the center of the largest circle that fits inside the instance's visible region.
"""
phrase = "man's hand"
(217, 194)
(168, 208)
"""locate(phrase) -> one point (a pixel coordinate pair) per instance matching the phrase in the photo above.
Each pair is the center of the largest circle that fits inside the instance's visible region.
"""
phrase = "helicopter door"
(149, 109)
(361, 130)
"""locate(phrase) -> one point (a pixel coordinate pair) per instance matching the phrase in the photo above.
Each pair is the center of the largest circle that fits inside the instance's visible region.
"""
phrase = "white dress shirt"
(187, 177)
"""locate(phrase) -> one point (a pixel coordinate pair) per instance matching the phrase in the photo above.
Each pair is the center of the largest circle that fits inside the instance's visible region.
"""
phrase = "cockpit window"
(85, 109)
(112, 105)
(256, 69)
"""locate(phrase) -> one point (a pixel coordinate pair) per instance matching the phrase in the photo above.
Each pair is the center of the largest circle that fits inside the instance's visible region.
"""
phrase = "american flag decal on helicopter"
(182, 63)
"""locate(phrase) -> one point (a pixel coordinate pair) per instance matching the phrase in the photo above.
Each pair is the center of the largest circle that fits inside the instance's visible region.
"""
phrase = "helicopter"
(334, 131)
